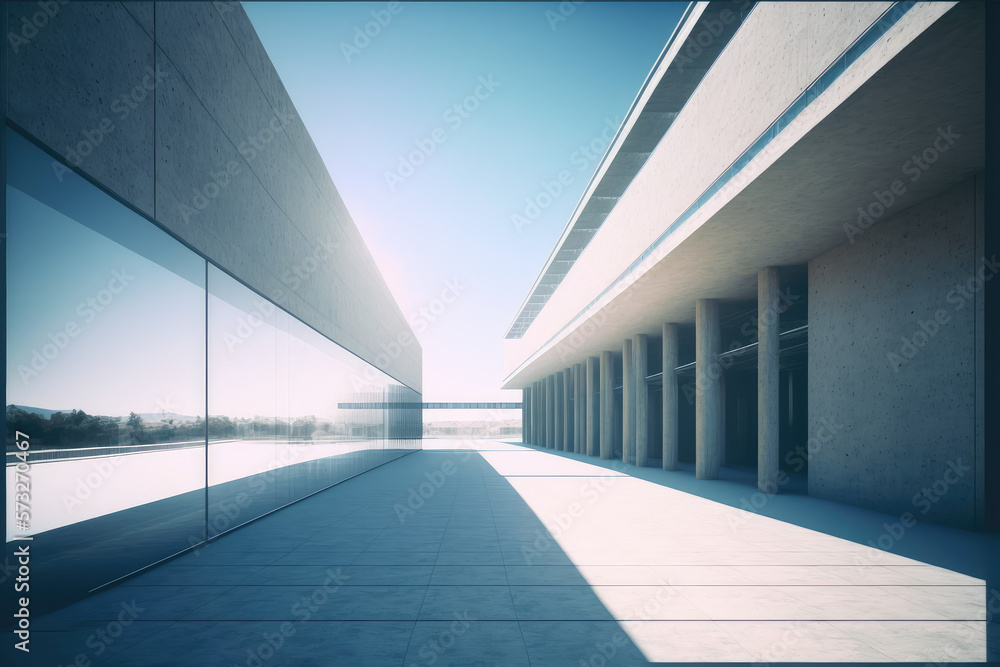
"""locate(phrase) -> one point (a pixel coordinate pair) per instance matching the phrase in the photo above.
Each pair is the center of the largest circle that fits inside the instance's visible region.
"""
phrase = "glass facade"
(160, 401)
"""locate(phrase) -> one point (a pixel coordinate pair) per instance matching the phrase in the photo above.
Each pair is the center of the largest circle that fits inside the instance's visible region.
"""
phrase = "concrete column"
(708, 390)
(592, 447)
(534, 416)
(640, 369)
(579, 410)
(538, 420)
(568, 405)
(767, 379)
(539, 414)
(558, 415)
(525, 412)
(628, 403)
(671, 444)
(550, 408)
(607, 406)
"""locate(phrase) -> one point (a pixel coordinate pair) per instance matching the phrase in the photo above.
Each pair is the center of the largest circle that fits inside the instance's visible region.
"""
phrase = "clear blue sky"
(548, 82)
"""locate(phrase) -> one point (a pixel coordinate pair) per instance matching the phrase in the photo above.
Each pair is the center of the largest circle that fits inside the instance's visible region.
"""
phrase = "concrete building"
(197, 338)
(159, 176)
(779, 264)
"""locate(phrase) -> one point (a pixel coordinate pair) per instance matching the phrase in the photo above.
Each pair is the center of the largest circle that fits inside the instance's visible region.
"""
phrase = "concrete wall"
(888, 418)
(171, 97)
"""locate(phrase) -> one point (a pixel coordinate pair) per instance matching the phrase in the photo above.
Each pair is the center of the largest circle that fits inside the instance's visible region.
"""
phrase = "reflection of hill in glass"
(45, 413)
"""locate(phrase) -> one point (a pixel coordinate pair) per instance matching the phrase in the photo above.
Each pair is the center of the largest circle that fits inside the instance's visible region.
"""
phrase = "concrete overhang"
(806, 196)
(699, 37)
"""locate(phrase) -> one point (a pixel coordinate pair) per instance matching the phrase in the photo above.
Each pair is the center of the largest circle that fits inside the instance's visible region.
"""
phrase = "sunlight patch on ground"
(689, 579)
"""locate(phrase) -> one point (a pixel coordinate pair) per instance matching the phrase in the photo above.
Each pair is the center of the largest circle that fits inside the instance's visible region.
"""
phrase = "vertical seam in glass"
(156, 86)
(207, 379)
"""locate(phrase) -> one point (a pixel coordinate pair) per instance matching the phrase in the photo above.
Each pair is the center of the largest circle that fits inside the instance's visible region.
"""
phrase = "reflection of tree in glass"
(137, 427)
(76, 429)
(61, 429)
(303, 427)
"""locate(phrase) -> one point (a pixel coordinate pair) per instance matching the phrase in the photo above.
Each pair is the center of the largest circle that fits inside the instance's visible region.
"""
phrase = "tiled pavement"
(442, 558)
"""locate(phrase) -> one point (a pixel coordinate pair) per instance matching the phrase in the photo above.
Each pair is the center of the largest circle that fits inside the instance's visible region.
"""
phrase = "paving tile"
(800, 641)
(685, 641)
(959, 603)
(312, 643)
(318, 557)
(293, 575)
(147, 603)
(572, 643)
(461, 643)
(482, 603)
(648, 603)
(468, 575)
(545, 575)
(192, 575)
(397, 558)
(387, 575)
(90, 643)
(921, 641)
(470, 558)
(558, 603)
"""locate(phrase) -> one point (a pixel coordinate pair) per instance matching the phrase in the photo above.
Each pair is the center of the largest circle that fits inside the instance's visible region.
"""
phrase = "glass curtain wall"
(153, 401)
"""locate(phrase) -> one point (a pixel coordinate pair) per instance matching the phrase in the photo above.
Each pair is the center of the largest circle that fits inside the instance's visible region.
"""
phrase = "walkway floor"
(442, 558)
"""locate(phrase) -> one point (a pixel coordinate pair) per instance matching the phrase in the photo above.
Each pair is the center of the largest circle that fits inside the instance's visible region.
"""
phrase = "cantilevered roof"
(700, 36)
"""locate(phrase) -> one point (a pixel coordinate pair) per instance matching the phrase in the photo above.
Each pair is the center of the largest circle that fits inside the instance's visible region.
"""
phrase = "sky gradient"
(438, 127)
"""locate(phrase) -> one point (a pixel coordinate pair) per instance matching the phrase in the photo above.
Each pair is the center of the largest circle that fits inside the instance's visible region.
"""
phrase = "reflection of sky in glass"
(262, 360)
(241, 350)
(134, 301)
(152, 328)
